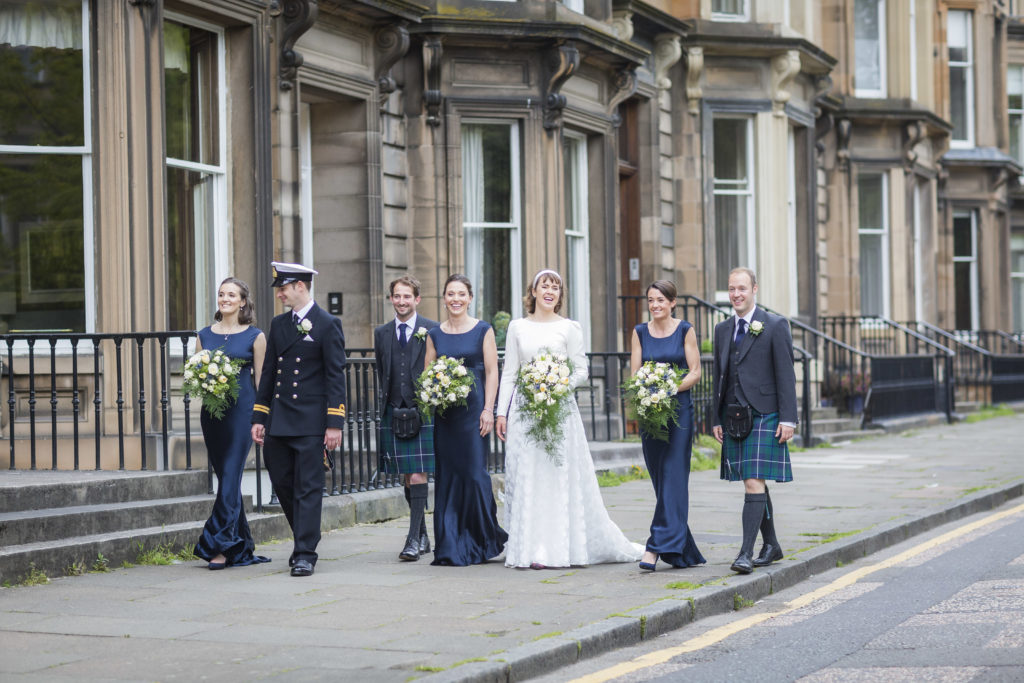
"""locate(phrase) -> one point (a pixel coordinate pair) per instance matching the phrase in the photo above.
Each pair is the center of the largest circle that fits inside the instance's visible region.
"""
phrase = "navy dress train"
(669, 462)
(466, 529)
(228, 441)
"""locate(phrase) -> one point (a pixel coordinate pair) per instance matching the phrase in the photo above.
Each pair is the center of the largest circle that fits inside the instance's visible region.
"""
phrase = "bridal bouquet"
(212, 377)
(544, 396)
(651, 394)
(445, 383)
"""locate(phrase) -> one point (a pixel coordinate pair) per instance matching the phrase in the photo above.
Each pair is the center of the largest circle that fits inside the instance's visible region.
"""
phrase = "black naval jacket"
(302, 388)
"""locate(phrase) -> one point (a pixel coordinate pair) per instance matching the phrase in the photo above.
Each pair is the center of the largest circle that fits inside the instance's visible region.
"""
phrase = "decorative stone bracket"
(390, 44)
(913, 133)
(561, 62)
(625, 86)
(785, 67)
(694, 68)
(667, 52)
(844, 129)
(432, 52)
(298, 17)
(622, 24)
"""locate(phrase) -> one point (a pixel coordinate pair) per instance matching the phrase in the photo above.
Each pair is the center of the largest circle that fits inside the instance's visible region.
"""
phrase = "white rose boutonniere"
(304, 326)
(756, 327)
(421, 333)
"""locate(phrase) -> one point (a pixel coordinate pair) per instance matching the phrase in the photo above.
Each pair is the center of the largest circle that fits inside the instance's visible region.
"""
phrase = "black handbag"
(405, 423)
(739, 421)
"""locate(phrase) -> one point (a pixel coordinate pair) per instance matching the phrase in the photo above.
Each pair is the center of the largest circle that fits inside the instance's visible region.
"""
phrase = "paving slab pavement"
(366, 616)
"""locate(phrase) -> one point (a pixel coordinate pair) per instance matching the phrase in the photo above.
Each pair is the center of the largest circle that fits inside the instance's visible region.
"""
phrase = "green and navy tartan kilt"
(405, 456)
(759, 456)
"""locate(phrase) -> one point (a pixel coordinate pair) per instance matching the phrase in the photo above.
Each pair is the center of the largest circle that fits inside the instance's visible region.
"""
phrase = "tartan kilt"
(405, 456)
(759, 456)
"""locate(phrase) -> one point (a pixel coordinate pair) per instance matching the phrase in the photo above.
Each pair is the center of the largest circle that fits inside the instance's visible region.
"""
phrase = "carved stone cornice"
(785, 67)
(694, 68)
(298, 16)
(560, 63)
(390, 43)
(667, 51)
(625, 86)
(432, 52)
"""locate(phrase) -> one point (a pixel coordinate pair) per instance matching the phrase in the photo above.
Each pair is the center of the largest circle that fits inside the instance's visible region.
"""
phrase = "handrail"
(952, 337)
(819, 334)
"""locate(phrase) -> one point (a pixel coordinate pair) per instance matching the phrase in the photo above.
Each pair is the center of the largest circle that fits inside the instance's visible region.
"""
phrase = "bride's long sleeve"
(577, 354)
(510, 369)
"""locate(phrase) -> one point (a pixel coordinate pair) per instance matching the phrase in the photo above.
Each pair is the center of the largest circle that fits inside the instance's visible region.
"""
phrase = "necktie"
(402, 339)
(295, 318)
(741, 329)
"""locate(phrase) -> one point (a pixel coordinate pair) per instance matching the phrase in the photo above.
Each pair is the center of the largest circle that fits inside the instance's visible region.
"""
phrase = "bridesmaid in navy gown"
(226, 539)
(466, 529)
(667, 340)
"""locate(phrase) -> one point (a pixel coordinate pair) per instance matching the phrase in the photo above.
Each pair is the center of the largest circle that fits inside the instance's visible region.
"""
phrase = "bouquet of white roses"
(212, 377)
(544, 395)
(446, 382)
(651, 394)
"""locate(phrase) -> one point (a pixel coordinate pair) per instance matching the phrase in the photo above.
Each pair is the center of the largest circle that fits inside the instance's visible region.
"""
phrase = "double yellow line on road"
(722, 632)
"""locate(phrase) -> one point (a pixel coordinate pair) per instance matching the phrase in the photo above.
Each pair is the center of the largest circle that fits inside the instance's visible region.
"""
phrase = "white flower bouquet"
(651, 394)
(212, 377)
(445, 383)
(544, 396)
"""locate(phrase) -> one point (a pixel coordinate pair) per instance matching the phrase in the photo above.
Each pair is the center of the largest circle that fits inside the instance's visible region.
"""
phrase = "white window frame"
(731, 186)
(221, 228)
(918, 205)
(306, 184)
(574, 5)
(577, 237)
(971, 259)
(968, 67)
(729, 16)
(882, 90)
(883, 234)
(1017, 112)
(1017, 280)
(515, 224)
(83, 151)
(794, 294)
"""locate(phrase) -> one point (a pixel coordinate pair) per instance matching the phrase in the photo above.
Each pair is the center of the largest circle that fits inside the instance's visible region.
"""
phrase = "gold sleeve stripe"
(261, 408)
(339, 411)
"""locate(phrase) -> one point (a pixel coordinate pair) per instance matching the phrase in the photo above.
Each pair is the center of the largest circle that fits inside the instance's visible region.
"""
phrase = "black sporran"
(405, 423)
(739, 421)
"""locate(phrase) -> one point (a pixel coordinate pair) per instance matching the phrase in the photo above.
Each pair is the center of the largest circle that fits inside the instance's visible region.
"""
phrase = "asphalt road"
(947, 606)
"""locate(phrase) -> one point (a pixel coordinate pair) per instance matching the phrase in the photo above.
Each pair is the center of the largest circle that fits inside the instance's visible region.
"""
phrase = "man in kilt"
(398, 348)
(754, 411)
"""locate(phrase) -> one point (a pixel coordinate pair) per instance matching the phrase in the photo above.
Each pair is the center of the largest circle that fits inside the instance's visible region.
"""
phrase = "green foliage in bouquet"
(212, 377)
(651, 395)
(544, 395)
(444, 384)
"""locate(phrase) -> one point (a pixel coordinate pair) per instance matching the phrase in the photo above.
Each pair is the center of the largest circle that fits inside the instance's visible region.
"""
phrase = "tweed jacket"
(765, 369)
(302, 386)
(384, 339)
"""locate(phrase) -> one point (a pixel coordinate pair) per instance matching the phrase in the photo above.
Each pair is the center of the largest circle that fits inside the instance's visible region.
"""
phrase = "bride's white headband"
(541, 274)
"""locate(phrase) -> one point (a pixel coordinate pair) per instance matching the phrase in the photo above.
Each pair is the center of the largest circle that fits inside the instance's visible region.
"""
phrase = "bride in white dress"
(554, 513)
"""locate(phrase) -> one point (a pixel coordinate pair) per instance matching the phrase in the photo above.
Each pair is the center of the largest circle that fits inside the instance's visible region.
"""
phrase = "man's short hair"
(748, 271)
(408, 281)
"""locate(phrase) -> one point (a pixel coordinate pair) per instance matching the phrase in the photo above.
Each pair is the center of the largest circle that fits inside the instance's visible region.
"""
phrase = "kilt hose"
(759, 455)
(405, 456)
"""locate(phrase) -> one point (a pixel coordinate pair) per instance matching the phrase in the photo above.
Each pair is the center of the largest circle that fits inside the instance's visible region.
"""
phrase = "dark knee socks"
(753, 512)
(768, 522)
(417, 506)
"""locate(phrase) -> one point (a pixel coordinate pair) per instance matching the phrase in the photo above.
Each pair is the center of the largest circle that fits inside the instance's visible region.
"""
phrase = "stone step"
(40, 489)
(67, 556)
(831, 425)
(848, 435)
(27, 526)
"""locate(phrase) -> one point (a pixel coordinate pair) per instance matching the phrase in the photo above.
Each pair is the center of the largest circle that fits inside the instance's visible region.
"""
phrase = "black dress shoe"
(742, 564)
(769, 553)
(302, 568)
(424, 543)
(411, 551)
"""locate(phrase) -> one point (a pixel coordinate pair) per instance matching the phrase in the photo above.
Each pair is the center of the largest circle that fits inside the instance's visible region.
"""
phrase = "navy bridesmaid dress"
(669, 462)
(228, 441)
(466, 529)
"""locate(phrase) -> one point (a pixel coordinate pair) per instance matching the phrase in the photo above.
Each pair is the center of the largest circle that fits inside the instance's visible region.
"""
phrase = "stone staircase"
(828, 426)
(62, 522)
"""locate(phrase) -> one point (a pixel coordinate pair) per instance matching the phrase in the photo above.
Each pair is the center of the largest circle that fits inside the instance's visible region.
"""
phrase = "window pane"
(871, 275)
(962, 237)
(727, 6)
(42, 277)
(497, 166)
(189, 247)
(190, 81)
(730, 140)
(958, 101)
(962, 294)
(1015, 126)
(41, 73)
(730, 236)
(1018, 304)
(867, 46)
(578, 263)
(1014, 86)
(871, 204)
(569, 151)
(957, 35)
(494, 288)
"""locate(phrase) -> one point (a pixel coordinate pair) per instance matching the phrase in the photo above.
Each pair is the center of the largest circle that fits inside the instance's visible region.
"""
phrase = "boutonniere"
(421, 333)
(756, 327)
(304, 326)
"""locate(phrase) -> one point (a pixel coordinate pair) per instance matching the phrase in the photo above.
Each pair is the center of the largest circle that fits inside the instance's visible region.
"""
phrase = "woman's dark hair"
(457, 277)
(530, 301)
(666, 287)
(246, 314)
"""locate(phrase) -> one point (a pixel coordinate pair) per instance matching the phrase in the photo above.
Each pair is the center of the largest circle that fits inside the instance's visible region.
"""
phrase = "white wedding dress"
(554, 514)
